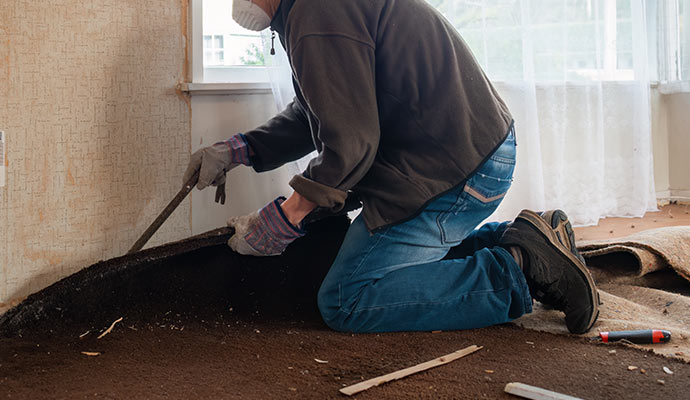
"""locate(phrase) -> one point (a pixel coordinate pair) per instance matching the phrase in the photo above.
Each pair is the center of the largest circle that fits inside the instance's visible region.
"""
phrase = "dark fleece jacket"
(390, 97)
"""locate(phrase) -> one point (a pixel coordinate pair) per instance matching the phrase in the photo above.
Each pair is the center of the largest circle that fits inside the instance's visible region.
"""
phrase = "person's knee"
(329, 306)
(335, 316)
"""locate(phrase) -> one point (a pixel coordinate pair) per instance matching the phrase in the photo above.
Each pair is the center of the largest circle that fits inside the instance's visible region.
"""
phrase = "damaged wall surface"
(97, 137)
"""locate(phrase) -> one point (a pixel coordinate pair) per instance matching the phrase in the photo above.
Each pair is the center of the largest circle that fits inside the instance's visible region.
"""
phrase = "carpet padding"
(643, 281)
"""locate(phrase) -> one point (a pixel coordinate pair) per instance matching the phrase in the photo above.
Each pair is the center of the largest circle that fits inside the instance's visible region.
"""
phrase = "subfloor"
(210, 324)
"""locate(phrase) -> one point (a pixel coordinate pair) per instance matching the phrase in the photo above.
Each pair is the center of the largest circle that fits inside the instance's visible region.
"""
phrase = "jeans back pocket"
(481, 195)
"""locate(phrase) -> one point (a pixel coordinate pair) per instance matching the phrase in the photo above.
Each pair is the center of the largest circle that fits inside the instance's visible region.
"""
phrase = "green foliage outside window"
(254, 56)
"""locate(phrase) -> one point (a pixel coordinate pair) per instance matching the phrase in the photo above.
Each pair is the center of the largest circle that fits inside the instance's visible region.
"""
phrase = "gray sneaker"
(555, 276)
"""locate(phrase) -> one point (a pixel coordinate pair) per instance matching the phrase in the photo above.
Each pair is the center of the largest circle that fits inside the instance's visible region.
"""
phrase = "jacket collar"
(280, 19)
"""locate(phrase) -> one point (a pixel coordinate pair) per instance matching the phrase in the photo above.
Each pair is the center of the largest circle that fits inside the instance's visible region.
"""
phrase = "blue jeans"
(398, 280)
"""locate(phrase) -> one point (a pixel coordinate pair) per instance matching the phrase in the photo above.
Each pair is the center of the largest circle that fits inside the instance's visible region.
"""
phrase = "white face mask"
(250, 16)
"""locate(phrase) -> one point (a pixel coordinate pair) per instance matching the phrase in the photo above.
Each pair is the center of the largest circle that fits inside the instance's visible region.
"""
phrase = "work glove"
(266, 232)
(215, 161)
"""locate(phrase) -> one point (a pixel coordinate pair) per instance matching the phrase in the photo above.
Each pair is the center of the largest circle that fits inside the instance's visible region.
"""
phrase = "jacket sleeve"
(285, 137)
(336, 75)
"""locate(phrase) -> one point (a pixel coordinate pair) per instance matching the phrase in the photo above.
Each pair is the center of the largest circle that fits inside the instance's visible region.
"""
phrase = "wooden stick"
(535, 393)
(359, 387)
(110, 329)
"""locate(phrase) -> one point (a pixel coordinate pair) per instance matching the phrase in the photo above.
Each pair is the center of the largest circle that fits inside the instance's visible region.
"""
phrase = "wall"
(97, 137)
(660, 144)
(679, 144)
(671, 140)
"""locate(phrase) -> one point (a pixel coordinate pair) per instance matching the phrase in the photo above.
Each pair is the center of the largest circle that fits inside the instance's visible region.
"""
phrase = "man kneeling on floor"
(401, 115)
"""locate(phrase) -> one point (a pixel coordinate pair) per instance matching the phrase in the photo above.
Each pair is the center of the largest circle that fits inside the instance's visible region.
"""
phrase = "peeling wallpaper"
(97, 138)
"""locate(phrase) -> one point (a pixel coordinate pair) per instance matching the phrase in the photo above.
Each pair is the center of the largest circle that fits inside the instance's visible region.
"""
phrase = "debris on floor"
(379, 380)
(110, 329)
(535, 393)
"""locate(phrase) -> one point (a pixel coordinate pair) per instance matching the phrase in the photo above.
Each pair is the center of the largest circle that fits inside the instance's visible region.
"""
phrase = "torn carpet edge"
(624, 270)
(627, 307)
(653, 250)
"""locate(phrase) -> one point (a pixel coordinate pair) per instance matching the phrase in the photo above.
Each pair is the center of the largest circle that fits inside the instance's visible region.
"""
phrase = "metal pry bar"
(181, 195)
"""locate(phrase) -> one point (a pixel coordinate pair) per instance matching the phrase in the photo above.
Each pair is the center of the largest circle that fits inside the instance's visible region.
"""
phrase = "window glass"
(231, 44)
(544, 40)
(684, 22)
(574, 40)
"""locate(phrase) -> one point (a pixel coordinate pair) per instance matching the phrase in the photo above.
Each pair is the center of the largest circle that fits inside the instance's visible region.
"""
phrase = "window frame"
(244, 79)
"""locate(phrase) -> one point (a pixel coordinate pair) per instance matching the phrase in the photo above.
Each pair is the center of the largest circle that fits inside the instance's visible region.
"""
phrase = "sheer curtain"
(575, 75)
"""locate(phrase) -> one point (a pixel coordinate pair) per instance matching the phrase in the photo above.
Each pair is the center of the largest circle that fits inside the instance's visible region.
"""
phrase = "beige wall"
(679, 144)
(97, 137)
(671, 140)
(660, 143)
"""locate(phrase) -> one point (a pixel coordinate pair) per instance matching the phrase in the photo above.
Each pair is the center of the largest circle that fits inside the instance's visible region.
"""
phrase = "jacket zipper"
(273, 41)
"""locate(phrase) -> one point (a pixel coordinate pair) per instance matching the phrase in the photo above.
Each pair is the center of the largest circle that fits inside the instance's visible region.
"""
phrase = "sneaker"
(555, 276)
(564, 231)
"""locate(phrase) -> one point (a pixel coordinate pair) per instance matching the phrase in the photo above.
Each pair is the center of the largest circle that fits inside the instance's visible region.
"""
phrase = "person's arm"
(296, 207)
(284, 138)
(337, 78)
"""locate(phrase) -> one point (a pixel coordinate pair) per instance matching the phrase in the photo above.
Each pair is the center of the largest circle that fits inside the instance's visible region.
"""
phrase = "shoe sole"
(540, 225)
(560, 224)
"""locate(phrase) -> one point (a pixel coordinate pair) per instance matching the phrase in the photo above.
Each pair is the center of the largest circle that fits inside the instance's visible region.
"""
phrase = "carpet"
(644, 283)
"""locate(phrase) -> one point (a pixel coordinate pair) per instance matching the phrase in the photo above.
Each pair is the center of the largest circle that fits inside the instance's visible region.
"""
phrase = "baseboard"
(662, 197)
(681, 196)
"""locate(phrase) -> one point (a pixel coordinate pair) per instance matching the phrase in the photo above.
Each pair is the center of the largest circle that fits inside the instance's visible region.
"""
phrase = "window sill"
(674, 87)
(225, 88)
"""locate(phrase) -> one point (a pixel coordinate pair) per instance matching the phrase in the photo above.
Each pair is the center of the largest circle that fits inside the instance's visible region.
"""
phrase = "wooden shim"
(110, 329)
(359, 387)
(535, 393)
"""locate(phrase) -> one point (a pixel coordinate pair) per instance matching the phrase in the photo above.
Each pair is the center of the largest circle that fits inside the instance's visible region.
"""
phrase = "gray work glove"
(266, 232)
(215, 161)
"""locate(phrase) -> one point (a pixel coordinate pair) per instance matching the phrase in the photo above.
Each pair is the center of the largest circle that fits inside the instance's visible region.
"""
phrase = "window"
(574, 40)
(214, 51)
(542, 40)
(672, 39)
(684, 43)
(227, 52)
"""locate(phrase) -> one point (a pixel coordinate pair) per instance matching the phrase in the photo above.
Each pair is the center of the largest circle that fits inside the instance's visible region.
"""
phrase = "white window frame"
(241, 80)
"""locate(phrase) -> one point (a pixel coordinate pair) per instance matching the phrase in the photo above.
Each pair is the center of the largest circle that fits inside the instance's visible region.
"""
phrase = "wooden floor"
(669, 215)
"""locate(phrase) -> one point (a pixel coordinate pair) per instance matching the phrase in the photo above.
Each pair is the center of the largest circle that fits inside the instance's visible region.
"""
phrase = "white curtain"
(574, 73)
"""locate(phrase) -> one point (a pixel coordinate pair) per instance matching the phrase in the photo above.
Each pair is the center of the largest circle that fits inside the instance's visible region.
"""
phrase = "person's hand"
(215, 161)
(266, 232)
